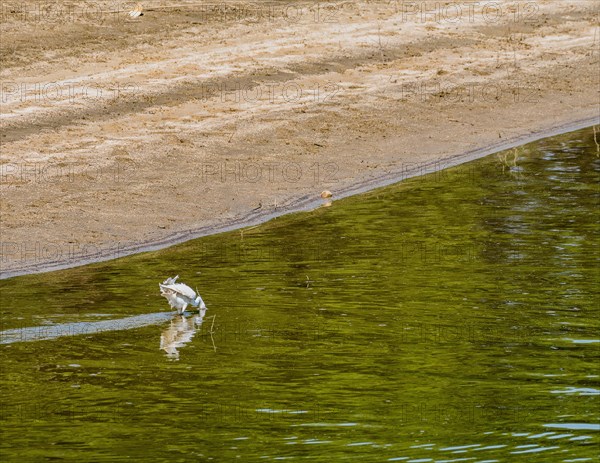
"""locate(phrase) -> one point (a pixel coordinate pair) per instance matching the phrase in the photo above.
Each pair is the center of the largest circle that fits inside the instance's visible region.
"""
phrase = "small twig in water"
(596, 141)
(246, 229)
(515, 156)
(211, 333)
(502, 158)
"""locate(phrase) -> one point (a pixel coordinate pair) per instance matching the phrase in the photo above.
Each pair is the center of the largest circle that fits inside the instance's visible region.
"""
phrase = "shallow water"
(452, 317)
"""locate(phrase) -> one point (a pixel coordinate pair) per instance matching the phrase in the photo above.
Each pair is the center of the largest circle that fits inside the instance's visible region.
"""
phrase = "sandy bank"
(119, 136)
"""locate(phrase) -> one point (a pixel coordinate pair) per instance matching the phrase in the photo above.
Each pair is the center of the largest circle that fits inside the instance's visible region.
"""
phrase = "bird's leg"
(183, 309)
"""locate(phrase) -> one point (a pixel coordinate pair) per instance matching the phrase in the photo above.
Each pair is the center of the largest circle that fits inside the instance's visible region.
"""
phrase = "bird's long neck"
(199, 302)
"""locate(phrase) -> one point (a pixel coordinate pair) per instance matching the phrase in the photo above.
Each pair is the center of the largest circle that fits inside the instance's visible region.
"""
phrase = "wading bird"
(180, 295)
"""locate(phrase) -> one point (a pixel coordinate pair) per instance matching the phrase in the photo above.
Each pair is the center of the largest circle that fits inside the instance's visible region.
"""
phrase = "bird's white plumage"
(182, 289)
(180, 295)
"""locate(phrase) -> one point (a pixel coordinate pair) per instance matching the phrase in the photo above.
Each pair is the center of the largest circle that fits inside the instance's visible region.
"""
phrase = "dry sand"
(120, 135)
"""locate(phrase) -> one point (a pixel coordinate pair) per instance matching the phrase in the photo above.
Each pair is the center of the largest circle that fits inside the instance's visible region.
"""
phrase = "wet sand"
(125, 135)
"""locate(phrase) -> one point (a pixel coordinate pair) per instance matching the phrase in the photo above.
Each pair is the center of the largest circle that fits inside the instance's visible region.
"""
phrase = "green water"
(452, 317)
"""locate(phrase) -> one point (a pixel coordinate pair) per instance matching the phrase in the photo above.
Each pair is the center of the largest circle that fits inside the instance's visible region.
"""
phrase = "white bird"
(180, 295)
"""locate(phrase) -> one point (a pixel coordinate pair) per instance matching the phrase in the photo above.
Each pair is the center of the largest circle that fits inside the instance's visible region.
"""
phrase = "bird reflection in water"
(180, 332)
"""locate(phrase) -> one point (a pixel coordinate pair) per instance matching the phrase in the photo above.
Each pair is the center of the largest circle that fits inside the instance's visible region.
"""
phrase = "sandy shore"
(121, 135)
